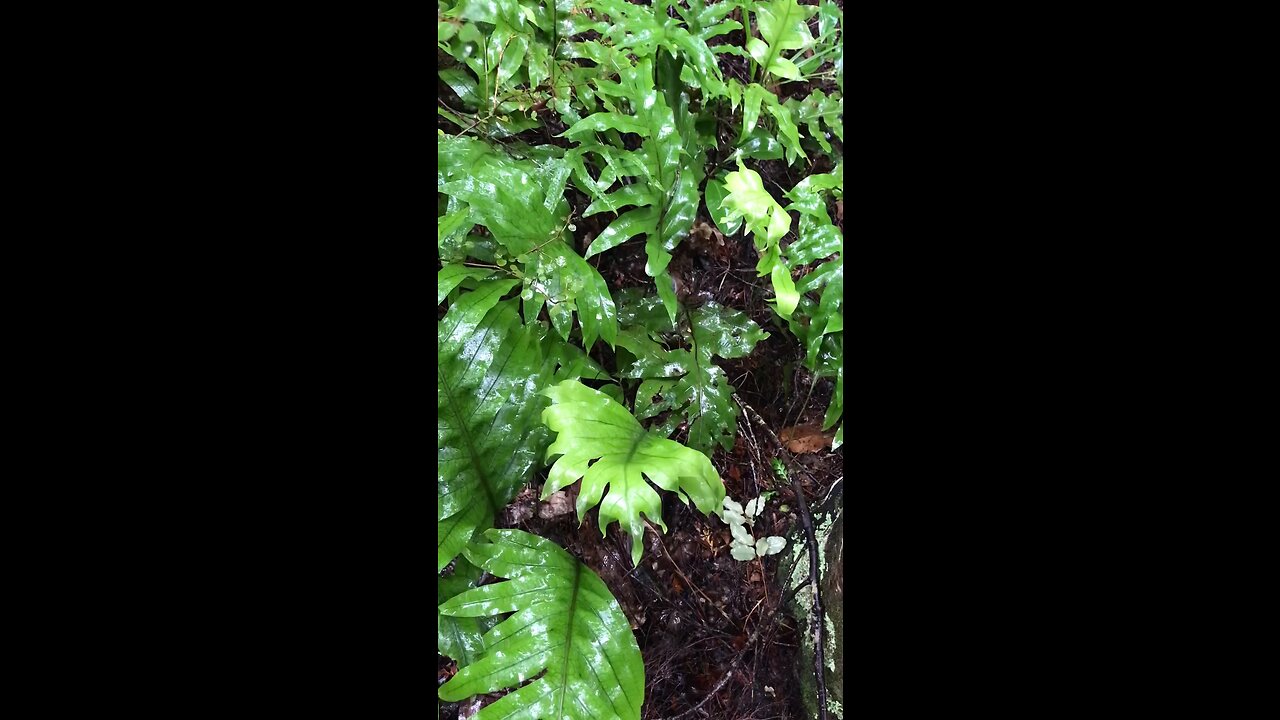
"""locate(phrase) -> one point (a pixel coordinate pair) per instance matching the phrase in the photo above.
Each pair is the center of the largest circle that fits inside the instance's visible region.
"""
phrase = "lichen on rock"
(829, 533)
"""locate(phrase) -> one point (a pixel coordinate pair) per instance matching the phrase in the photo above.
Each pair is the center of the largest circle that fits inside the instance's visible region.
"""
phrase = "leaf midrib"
(465, 431)
(568, 640)
(774, 47)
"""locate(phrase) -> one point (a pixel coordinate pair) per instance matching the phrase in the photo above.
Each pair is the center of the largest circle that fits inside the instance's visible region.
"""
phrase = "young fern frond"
(746, 198)
(783, 26)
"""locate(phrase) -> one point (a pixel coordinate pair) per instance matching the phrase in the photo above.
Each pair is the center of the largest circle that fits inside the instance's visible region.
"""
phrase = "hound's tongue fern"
(565, 624)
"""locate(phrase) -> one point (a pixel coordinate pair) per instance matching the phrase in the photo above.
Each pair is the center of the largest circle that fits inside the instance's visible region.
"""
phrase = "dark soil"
(693, 607)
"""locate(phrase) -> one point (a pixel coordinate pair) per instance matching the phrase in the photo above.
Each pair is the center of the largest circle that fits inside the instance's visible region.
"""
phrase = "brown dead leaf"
(519, 512)
(559, 503)
(805, 439)
(704, 231)
(707, 239)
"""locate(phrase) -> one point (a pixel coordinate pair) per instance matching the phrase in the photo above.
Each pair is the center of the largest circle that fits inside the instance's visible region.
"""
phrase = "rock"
(828, 521)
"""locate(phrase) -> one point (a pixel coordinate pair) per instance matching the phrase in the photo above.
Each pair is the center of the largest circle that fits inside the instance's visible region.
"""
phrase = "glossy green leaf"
(746, 198)
(752, 96)
(816, 241)
(565, 626)
(521, 202)
(591, 426)
(636, 195)
(783, 26)
(653, 397)
(510, 57)
(835, 410)
(451, 275)
(839, 65)
(830, 17)
(715, 195)
(788, 133)
(819, 238)
(760, 145)
(668, 168)
(569, 360)
(460, 638)
(817, 109)
(707, 21)
(699, 391)
(539, 64)
(488, 434)
(463, 84)
(602, 121)
(648, 33)
(768, 223)
(641, 312)
(702, 62)
(756, 97)
(627, 226)
(452, 232)
(784, 287)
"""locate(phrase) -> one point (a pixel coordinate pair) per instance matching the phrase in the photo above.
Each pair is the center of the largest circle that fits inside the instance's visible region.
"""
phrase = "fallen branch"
(814, 578)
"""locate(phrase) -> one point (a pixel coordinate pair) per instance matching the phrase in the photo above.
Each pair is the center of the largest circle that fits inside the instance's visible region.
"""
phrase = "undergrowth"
(543, 363)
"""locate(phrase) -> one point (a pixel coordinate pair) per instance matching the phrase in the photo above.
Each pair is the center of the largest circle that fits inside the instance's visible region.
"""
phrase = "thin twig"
(755, 453)
(737, 660)
(814, 577)
(812, 385)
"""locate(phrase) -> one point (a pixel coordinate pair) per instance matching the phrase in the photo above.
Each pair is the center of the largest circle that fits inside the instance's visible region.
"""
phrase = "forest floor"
(692, 606)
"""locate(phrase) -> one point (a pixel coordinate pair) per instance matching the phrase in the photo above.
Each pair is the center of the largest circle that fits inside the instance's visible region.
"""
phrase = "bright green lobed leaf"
(768, 222)
(819, 238)
(715, 195)
(783, 26)
(602, 121)
(592, 426)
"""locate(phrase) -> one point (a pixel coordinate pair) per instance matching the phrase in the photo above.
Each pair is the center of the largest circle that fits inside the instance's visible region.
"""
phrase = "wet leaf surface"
(673, 599)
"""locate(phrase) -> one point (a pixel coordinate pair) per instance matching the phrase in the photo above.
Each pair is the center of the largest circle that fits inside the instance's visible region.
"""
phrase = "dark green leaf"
(460, 638)
(697, 388)
(488, 435)
(565, 625)
(628, 225)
